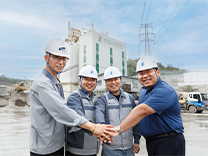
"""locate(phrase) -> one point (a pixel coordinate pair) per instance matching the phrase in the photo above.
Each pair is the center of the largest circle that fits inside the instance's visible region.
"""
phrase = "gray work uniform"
(108, 110)
(49, 114)
(82, 142)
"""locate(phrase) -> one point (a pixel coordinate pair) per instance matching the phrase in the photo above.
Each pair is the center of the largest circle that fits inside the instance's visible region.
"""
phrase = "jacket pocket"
(75, 139)
(49, 126)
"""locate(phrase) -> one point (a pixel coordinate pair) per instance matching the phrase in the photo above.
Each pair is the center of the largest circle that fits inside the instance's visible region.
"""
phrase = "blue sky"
(180, 28)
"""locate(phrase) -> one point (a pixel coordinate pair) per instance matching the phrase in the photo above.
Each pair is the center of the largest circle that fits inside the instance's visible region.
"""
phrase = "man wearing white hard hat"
(81, 142)
(49, 112)
(112, 108)
(158, 113)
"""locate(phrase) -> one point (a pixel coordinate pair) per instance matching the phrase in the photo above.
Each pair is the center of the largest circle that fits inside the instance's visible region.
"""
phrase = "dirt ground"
(15, 124)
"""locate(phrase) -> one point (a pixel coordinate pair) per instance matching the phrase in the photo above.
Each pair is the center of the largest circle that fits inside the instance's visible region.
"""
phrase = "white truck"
(194, 102)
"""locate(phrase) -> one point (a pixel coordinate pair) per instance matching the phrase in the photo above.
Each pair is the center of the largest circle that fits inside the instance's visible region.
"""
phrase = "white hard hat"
(88, 71)
(57, 47)
(145, 63)
(111, 72)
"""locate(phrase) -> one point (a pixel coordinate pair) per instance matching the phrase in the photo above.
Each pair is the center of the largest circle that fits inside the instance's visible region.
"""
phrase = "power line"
(161, 13)
(148, 11)
(141, 24)
(143, 11)
(173, 20)
(168, 18)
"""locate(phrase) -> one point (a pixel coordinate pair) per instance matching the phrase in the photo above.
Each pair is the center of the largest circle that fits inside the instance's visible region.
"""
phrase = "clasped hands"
(104, 132)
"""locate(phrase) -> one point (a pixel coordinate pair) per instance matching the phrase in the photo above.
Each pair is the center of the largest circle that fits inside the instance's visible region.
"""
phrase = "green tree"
(131, 67)
(160, 66)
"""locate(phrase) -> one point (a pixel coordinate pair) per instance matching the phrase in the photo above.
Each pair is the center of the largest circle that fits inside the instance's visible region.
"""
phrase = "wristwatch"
(118, 129)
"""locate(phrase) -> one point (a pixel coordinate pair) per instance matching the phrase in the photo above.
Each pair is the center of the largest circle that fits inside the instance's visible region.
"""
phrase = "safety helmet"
(145, 63)
(88, 71)
(57, 47)
(111, 72)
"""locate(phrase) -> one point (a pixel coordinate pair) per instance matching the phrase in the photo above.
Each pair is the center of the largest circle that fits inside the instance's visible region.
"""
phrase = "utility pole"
(146, 37)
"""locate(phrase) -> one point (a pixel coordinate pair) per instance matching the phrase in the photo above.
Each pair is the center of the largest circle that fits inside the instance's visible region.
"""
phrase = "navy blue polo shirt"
(164, 100)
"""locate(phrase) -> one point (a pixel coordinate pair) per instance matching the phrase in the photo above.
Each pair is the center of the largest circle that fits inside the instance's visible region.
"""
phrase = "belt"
(160, 136)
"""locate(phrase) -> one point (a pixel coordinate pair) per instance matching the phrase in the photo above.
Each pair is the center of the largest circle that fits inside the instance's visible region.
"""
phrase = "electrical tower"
(146, 38)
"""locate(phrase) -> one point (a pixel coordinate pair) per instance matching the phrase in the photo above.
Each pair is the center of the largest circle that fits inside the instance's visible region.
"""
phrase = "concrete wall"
(197, 80)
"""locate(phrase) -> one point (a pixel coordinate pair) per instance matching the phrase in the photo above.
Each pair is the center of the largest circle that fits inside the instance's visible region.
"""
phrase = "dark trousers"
(57, 153)
(67, 153)
(171, 145)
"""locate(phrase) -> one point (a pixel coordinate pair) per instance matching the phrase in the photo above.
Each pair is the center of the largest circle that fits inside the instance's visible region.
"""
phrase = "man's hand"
(104, 132)
(136, 148)
(101, 131)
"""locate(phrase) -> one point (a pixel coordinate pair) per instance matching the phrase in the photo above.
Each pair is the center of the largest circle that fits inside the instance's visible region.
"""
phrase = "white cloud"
(29, 20)
(30, 57)
(28, 25)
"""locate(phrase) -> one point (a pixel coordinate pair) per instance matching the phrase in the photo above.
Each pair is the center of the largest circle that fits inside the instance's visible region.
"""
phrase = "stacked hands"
(104, 132)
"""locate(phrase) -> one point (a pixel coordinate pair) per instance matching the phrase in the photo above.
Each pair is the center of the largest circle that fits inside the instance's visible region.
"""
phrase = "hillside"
(131, 68)
(9, 81)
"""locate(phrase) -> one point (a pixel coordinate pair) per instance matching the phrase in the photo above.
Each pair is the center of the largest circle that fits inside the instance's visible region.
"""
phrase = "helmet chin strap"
(50, 67)
(156, 72)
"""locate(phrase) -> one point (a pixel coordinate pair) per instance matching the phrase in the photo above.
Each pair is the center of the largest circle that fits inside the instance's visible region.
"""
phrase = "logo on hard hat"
(111, 72)
(62, 49)
(142, 63)
(92, 72)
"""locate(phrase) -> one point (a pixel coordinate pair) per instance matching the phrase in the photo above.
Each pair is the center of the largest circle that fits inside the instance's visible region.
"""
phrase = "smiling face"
(88, 83)
(114, 85)
(57, 63)
(148, 77)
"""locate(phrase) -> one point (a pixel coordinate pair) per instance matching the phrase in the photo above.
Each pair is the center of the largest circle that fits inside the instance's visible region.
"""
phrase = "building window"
(123, 67)
(97, 57)
(123, 72)
(84, 53)
(111, 51)
(84, 49)
(122, 55)
(97, 67)
(111, 56)
(111, 61)
(97, 47)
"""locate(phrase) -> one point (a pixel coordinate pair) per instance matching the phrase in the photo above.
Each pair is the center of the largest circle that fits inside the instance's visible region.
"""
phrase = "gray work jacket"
(49, 114)
(108, 110)
(82, 142)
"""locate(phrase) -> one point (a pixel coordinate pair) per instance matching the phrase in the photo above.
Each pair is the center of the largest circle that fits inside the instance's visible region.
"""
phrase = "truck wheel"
(192, 109)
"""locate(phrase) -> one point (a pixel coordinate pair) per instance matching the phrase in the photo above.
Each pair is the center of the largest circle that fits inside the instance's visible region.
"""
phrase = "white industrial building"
(88, 47)
(96, 49)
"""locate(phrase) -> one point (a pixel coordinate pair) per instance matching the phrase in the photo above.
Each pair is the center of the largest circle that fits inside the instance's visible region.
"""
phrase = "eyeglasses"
(142, 73)
(59, 58)
(88, 79)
